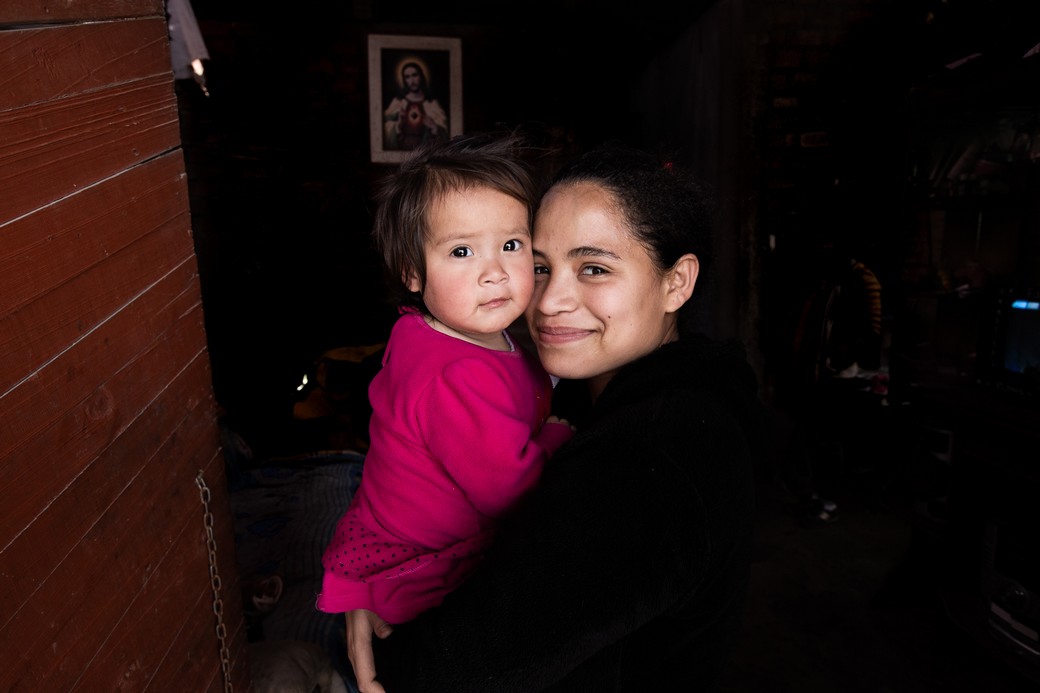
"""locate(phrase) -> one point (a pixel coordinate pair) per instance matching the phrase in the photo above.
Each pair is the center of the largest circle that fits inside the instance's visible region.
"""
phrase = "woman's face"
(599, 301)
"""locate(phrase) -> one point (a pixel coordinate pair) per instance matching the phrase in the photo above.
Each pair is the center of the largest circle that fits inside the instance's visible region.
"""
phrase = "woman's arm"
(632, 553)
(614, 538)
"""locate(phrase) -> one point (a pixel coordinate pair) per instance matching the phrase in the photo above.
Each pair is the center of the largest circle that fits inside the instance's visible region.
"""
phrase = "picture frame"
(414, 92)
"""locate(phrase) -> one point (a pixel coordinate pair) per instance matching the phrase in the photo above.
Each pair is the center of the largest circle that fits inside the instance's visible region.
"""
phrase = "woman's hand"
(552, 418)
(361, 624)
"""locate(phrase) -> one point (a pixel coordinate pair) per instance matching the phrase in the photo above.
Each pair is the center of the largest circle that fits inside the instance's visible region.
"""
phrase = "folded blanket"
(284, 514)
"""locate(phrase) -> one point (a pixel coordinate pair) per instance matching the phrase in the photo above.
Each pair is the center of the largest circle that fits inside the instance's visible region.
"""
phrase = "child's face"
(479, 267)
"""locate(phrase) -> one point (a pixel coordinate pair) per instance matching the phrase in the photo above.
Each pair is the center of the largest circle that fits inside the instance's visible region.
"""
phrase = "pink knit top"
(457, 438)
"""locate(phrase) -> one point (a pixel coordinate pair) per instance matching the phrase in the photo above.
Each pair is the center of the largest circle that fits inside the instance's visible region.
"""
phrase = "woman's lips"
(560, 335)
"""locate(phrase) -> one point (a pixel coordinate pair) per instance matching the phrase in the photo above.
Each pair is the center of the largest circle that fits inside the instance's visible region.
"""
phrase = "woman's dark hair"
(405, 197)
(667, 209)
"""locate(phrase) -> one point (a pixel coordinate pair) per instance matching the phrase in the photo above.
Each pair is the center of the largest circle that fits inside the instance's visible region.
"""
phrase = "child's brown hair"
(405, 197)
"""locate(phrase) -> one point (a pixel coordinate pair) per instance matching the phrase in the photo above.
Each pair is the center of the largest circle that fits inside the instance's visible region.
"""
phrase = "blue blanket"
(284, 514)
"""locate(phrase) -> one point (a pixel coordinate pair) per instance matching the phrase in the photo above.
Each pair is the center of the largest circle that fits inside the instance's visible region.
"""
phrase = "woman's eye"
(590, 270)
(461, 251)
(541, 269)
(511, 245)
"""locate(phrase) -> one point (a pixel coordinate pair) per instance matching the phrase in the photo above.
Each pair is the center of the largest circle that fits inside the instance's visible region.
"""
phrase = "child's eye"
(541, 269)
(512, 245)
(461, 251)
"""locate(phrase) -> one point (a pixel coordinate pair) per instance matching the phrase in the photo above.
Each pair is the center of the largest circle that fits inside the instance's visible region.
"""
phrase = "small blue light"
(1025, 305)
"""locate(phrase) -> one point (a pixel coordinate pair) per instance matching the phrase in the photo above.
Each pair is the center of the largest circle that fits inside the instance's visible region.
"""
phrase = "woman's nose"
(554, 295)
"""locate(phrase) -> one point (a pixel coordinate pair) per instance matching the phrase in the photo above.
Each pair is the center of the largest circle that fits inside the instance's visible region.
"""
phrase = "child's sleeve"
(482, 434)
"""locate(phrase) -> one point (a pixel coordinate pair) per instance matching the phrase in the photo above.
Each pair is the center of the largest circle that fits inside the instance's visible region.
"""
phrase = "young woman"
(626, 569)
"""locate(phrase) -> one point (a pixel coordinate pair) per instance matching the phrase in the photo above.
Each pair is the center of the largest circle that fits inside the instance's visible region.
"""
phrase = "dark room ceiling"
(615, 35)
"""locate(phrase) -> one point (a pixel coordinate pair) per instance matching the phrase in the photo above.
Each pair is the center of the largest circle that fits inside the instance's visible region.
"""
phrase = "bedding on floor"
(284, 514)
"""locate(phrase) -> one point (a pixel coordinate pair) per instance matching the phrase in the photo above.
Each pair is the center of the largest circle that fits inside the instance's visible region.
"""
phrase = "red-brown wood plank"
(177, 561)
(78, 624)
(176, 663)
(87, 363)
(239, 648)
(103, 384)
(106, 408)
(131, 653)
(58, 289)
(183, 661)
(126, 659)
(61, 61)
(16, 12)
(224, 532)
(234, 617)
(94, 491)
(76, 608)
(180, 659)
(153, 612)
(43, 482)
(190, 661)
(55, 148)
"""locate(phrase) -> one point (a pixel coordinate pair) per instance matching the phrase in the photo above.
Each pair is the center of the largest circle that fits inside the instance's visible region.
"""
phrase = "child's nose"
(494, 273)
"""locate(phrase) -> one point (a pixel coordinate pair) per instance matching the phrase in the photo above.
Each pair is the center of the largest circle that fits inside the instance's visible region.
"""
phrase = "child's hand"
(552, 418)
(361, 625)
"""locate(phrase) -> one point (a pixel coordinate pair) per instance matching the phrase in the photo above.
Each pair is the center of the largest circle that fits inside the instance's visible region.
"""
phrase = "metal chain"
(214, 576)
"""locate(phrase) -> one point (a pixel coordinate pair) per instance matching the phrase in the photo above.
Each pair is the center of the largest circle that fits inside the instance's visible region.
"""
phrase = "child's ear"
(681, 280)
(411, 281)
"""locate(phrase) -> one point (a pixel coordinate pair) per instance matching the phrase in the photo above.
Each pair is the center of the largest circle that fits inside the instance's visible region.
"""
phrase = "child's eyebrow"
(456, 238)
(521, 232)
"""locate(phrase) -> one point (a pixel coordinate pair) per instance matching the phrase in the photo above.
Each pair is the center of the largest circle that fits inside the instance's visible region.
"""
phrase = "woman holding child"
(625, 568)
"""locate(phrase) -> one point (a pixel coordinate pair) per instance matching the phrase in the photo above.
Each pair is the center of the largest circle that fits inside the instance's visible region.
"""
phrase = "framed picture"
(414, 92)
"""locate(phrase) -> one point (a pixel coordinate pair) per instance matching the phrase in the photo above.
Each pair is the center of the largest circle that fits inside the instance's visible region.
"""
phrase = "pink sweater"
(457, 438)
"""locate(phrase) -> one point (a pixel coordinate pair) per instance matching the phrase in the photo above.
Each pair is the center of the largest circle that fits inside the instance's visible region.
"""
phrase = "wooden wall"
(106, 407)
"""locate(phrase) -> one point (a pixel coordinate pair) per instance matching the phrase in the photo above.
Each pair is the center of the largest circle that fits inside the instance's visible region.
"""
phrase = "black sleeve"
(615, 536)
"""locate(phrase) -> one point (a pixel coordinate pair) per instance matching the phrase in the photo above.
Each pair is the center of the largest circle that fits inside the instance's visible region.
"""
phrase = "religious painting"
(414, 93)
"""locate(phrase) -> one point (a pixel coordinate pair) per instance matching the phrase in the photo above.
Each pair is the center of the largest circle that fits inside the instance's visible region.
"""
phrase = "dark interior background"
(278, 157)
(814, 116)
(819, 123)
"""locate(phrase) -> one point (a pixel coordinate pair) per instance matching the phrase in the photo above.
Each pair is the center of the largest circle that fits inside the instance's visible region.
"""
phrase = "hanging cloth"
(187, 48)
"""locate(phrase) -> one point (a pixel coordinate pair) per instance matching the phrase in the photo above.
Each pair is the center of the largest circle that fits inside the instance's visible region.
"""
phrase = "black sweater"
(627, 569)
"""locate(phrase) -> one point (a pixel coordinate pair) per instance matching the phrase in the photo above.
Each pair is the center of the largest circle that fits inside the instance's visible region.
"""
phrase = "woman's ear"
(681, 279)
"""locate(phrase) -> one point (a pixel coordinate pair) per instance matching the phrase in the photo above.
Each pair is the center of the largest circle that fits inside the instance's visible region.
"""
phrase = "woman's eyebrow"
(583, 251)
(591, 251)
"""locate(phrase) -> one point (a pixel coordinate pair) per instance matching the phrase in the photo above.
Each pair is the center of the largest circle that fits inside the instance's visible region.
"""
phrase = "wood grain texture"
(106, 402)
(20, 12)
(57, 288)
(101, 485)
(52, 63)
(55, 148)
(77, 607)
(81, 375)
(194, 665)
